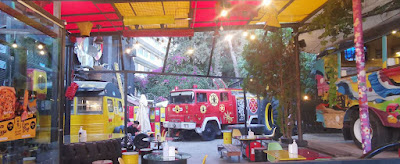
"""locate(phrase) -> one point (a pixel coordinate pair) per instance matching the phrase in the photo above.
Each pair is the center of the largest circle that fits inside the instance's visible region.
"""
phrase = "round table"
(154, 158)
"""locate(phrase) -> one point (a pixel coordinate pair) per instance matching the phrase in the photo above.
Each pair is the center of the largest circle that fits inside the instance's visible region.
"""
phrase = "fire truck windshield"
(186, 97)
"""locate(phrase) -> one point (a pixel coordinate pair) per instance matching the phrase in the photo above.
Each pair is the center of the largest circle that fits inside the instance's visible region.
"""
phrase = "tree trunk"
(234, 61)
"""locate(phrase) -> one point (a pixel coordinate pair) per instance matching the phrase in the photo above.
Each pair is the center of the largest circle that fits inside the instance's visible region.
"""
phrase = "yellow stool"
(130, 157)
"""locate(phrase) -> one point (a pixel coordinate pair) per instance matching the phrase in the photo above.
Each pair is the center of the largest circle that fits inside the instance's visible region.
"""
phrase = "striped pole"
(362, 88)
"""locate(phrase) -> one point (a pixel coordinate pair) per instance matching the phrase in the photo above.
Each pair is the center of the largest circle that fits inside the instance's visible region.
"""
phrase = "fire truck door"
(226, 109)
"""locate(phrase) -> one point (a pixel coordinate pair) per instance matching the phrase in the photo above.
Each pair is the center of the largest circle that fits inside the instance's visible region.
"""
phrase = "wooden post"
(361, 80)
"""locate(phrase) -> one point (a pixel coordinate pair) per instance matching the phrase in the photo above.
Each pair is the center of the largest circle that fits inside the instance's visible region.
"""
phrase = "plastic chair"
(236, 133)
(121, 161)
(273, 146)
(204, 159)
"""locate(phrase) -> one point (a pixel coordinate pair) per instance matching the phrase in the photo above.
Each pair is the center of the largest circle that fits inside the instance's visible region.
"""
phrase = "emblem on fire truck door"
(228, 117)
(213, 99)
(203, 109)
(253, 105)
(222, 108)
(177, 109)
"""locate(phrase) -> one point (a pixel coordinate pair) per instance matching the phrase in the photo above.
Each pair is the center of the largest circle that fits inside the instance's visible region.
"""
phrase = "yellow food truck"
(97, 108)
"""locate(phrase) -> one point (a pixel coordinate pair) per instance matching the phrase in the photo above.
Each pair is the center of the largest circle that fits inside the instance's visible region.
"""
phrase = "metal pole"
(166, 55)
(245, 111)
(361, 80)
(68, 79)
(211, 55)
(125, 89)
(298, 84)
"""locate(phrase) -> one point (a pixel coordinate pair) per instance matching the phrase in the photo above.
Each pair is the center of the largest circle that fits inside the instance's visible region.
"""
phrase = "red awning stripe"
(159, 33)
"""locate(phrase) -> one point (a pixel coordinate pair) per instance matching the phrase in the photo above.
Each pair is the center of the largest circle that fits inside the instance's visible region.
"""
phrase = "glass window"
(110, 105)
(393, 44)
(89, 105)
(140, 52)
(29, 70)
(224, 96)
(120, 108)
(373, 58)
(201, 97)
(182, 97)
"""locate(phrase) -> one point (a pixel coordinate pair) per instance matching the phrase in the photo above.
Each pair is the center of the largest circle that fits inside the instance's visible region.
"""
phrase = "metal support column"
(211, 55)
(298, 85)
(166, 55)
(384, 51)
(245, 112)
(121, 52)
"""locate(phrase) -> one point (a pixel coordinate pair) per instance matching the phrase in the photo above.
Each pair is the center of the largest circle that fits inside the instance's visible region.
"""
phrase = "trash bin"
(260, 156)
(143, 152)
(227, 136)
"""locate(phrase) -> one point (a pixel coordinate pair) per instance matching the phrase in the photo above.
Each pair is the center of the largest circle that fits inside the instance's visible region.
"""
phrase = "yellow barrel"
(227, 137)
(130, 157)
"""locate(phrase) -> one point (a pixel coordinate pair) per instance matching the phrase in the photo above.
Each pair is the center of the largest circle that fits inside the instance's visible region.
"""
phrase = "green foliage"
(331, 73)
(336, 18)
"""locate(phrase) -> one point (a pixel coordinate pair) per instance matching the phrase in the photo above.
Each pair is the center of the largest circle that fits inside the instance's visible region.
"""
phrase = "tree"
(271, 72)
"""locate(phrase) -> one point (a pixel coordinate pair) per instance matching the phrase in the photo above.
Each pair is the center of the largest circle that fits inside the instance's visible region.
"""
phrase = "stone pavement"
(198, 149)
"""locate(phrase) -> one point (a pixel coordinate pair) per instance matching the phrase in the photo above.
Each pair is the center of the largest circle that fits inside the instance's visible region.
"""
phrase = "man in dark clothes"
(134, 129)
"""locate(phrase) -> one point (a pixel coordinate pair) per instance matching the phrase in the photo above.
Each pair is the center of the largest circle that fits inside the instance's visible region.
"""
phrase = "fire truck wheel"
(210, 132)
(187, 135)
(379, 133)
(268, 114)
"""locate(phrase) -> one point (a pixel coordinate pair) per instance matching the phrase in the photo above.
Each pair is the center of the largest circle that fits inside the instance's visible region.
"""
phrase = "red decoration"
(72, 39)
(71, 91)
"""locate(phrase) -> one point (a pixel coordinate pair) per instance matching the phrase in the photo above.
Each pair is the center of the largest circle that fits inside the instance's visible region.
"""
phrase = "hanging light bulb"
(221, 28)
(40, 46)
(190, 51)
(252, 36)
(245, 33)
(137, 45)
(14, 45)
(41, 52)
(224, 13)
(128, 50)
(266, 2)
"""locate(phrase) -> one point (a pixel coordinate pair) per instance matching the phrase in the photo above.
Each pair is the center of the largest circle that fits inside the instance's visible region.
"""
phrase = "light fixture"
(99, 39)
(14, 45)
(245, 33)
(224, 13)
(228, 37)
(306, 97)
(42, 52)
(266, 2)
(394, 32)
(40, 46)
(221, 28)
(190, 51)
(137, 45)
(252, 36)
(398, 54)
(251, 80)
(128, 50)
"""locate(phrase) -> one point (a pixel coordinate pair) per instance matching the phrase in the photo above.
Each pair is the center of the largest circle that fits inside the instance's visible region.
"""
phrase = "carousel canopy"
(181, 17)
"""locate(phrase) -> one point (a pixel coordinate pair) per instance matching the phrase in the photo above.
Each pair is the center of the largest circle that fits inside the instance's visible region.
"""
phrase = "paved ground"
(198, 149)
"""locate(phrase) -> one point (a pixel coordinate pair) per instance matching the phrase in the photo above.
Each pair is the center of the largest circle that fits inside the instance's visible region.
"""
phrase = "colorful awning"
(196, 15)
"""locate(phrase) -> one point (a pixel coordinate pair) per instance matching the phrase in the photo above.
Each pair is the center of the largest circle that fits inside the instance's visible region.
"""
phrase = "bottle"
(80, 134)
(295, 148)
(290, 148)
(165, 149)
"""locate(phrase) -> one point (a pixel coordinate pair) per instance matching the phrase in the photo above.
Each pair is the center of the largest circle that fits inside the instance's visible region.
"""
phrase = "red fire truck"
(206, 112)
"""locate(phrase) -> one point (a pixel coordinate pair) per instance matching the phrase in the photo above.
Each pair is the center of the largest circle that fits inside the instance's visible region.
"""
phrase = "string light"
(306, 97)
(394, 32)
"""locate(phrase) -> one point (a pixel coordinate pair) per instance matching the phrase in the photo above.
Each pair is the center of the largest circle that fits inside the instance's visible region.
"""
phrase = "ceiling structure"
(181, 17)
